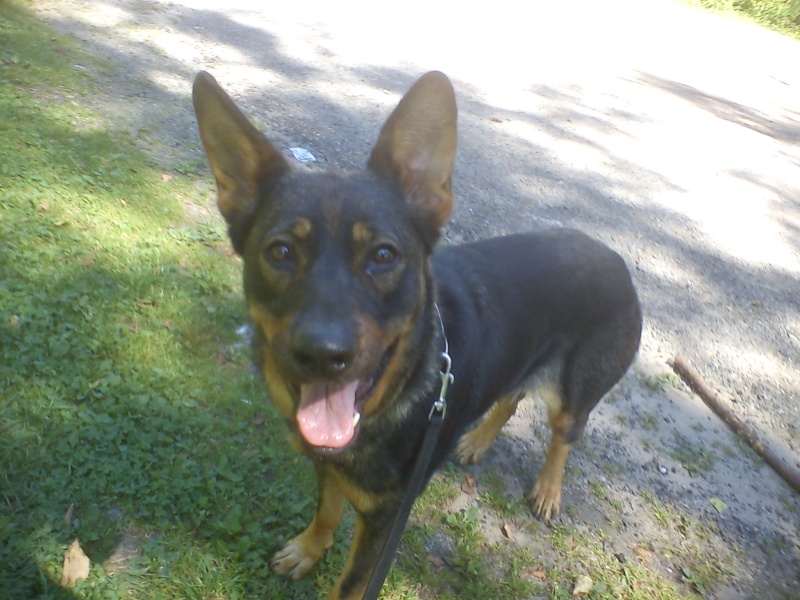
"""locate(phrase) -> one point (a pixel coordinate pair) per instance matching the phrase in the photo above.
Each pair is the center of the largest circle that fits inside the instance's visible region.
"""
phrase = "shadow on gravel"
(785, 131)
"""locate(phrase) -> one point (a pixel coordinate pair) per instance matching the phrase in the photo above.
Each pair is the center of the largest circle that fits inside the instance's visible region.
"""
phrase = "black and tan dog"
(342, 279)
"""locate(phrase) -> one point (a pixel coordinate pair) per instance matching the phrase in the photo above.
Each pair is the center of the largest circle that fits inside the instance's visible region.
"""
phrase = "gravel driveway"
(672, 135)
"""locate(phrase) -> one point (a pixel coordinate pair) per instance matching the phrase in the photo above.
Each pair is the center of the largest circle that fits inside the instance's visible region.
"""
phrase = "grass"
(779, 15)
(694, 458)
(659, 383)
(114, 312)
(129, 416)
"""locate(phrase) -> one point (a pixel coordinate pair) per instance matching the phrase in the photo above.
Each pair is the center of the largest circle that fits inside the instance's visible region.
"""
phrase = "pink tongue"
(326, 414)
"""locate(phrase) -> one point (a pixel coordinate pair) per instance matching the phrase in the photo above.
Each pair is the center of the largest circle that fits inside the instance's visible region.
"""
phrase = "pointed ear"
(417, 146)
(243, 161)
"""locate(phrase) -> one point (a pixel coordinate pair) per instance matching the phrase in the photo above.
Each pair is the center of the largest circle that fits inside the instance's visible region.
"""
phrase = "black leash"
(435, 420)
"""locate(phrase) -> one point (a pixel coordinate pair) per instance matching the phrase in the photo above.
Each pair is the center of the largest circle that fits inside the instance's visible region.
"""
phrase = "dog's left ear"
(417, 146)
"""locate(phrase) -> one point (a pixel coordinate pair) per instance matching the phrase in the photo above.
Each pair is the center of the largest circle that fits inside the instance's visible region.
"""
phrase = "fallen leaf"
(436, 561)
(44, 206)
(166, 178)
(76, 564)
(468, 485)
(719, 505)
(258, 420)
(644, 554)
(68, 516)
(506, 529)
(535, 574)
(13, 321)
(583, 585)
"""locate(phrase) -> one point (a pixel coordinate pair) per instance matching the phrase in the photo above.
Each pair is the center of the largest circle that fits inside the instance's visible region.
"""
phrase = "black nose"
(323, 350)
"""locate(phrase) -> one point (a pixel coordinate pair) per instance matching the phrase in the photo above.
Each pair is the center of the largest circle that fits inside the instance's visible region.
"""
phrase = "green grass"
(694, 458)
(779, 15)
(116, 311)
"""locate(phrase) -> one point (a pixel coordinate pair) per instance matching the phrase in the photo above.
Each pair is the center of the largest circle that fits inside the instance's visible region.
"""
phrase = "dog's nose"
(324, 351)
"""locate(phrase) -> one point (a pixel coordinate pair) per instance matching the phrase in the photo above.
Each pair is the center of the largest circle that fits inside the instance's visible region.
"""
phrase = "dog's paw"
(296, 558)
(544, 499)
(471, 447)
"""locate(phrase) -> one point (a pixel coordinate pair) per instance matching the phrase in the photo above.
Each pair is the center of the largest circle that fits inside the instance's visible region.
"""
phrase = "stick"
(724, 411)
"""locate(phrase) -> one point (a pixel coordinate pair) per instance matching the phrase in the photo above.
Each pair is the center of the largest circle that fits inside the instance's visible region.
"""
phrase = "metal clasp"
(440, 406)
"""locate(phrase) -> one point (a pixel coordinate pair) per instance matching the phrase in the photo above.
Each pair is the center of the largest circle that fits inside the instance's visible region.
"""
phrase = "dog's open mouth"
(330, 413)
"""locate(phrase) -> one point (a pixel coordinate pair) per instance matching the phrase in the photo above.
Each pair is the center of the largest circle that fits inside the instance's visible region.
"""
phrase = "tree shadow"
(787, 131)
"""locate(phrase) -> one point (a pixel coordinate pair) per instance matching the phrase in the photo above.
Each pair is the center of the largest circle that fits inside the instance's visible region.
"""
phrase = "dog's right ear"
(242, 160)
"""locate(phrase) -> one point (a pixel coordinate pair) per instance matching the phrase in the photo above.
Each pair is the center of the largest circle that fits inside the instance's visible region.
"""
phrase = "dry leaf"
(166, 178)
(539, 574)
(506, 529)
(644, 555)
(258, 419)
(68, 516)
(468, 485)
(719, 505)
(583, 585)
(535, 574)
(76, 564)
(436, 561)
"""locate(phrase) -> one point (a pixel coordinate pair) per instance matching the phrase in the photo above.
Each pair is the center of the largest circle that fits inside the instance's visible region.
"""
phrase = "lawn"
(129, 416)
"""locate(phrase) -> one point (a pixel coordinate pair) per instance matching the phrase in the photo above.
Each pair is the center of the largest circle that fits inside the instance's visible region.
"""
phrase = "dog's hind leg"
(545, 496)
(589, 371)
(474, 444)
(297, 557)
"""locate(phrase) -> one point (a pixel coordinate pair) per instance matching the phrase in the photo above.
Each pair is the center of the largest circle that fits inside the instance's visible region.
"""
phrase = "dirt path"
(670, 134)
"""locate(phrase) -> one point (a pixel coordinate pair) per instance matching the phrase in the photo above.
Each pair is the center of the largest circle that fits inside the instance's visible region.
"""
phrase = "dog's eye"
(279, 253)
(384, 256)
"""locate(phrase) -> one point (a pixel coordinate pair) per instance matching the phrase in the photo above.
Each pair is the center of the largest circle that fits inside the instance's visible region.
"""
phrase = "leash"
(435, 420)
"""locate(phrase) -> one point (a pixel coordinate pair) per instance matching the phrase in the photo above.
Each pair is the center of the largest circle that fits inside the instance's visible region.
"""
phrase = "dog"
(353, 302)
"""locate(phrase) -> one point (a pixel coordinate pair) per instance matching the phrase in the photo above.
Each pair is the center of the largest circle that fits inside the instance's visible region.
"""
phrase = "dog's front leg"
(301, 553)
(368, 540)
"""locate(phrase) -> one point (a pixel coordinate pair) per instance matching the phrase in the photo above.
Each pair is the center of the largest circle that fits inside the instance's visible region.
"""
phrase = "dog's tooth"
(356, 418)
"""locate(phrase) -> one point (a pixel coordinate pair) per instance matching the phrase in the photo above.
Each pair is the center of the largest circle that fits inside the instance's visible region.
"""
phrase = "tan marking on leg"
(301, 553)
(545, 496)
(474, 444)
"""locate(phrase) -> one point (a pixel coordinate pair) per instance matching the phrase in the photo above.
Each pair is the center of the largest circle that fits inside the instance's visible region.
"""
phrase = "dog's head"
(336, 264)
